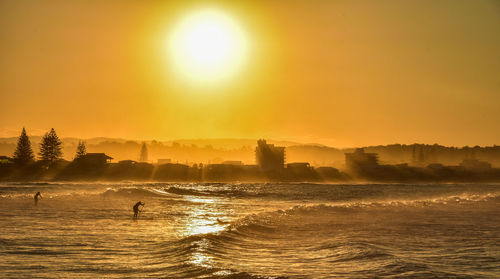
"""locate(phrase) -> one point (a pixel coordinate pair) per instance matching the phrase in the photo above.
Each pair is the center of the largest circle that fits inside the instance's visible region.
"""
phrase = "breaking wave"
(251, 230)
(270, 233)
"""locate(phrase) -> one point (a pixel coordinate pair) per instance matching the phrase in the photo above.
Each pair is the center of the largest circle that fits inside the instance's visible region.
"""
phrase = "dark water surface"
(250, 231)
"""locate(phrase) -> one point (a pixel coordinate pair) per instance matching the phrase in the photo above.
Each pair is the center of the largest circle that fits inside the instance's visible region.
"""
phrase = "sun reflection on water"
(203, 217)
(200, 257)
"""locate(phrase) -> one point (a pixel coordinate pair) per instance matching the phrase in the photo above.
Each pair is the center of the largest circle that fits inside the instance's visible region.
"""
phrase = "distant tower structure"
(418, 156)
(421, 156)
(269, 158)
(144, 153)
(432, 157)
(414, 154)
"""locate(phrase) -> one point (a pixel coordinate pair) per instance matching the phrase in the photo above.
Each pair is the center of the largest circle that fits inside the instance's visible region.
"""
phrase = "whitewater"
(250, 230)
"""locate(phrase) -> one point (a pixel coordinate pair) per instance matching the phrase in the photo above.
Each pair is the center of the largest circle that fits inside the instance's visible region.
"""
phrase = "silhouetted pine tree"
(23, 154)
(144, 153)
(81, 150)
(50, 147)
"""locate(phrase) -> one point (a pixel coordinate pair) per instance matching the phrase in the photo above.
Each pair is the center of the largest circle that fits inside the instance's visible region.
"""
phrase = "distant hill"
(203, 150)
(228, 143)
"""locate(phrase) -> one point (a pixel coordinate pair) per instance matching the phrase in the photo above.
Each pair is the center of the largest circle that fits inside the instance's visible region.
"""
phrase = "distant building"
(172, 172)
(231, 172)
(164, 161)
(222, 172)
(234, 163)
(300, 172)
(360, 160)
(269, 157)
(418, 155)
(252, 169)
(127, 162)
(435, 166)
(475, 165)
(329, 173)
(5, 160)
(95, 158)
(299, 166)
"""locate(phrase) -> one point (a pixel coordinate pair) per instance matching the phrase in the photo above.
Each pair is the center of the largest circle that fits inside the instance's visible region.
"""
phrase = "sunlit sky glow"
(207, 46)
(341, 73)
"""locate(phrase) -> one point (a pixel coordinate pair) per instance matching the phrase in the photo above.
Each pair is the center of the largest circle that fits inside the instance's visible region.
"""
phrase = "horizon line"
(290, 142)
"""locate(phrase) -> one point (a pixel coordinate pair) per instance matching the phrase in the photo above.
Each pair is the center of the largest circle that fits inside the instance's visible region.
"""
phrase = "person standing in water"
(36, 197)
(136, 208)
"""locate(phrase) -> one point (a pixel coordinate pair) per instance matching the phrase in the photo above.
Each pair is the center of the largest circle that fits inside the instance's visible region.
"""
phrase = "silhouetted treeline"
(421, 162)
(189, 152)
(429, 173)
(397, 154)
(130, 170)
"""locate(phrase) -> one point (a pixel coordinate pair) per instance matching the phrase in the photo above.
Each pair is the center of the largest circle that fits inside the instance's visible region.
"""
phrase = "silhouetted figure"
(36, 197)
(136, 208)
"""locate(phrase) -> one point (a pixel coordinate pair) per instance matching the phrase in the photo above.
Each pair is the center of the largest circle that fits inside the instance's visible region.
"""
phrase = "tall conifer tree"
(50, 147)
(23, 154)
(81, 150)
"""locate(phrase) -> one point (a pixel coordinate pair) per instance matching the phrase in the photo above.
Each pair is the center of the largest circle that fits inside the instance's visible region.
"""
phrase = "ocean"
(245, 230)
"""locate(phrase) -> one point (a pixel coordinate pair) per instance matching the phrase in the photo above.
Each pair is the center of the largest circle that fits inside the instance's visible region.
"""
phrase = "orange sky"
(341, 73)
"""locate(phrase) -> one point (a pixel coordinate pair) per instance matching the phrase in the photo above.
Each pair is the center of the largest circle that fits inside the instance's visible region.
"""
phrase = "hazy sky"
(342, 73)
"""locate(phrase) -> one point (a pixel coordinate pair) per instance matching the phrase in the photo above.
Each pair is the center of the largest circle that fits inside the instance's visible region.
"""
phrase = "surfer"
(136, 208)
(36, 197)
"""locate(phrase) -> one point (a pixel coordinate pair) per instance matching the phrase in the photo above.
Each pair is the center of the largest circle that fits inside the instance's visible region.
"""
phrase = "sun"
(207, 46)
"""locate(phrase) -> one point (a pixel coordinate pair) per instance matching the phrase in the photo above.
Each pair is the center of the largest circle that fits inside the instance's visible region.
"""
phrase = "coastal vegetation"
(190, 162)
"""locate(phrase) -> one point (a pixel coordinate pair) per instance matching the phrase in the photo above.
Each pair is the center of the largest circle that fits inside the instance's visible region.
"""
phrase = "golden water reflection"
(204, 217)
(200, 257)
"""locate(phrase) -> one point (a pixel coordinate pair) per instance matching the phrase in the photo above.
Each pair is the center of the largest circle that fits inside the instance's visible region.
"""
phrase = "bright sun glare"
(208, 46)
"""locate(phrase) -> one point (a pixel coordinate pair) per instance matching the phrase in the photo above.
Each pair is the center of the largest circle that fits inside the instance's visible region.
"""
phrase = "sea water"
(241, 230)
